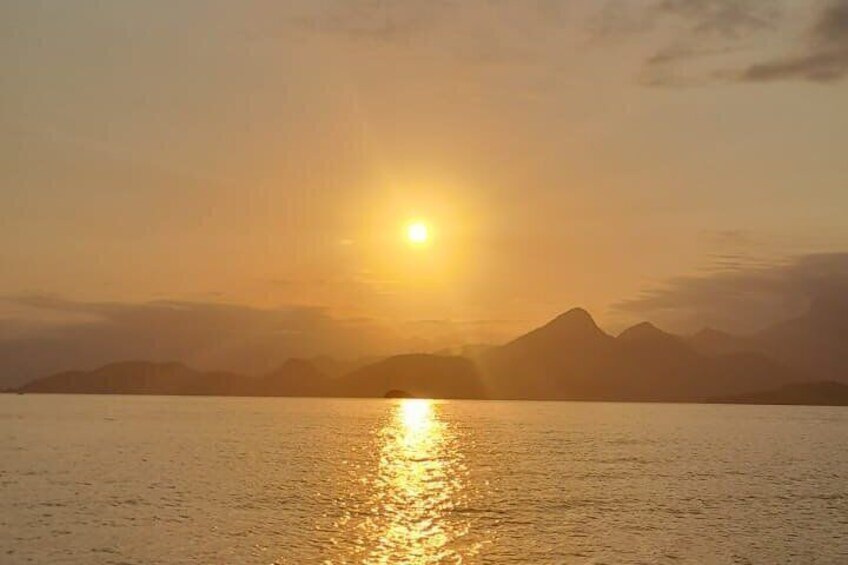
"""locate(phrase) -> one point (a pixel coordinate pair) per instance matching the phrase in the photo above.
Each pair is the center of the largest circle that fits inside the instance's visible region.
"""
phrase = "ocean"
(148, 480)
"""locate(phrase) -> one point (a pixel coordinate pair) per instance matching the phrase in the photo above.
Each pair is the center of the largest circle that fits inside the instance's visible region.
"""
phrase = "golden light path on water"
(409, 512)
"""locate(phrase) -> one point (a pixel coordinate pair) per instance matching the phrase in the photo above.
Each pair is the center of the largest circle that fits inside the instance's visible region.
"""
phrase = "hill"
(821, 393)
(571, 358)
(813, 345)
(141, 377)
(417, 375)
(296, 377)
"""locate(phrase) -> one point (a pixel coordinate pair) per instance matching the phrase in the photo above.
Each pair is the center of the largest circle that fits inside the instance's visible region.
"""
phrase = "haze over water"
(107, 479)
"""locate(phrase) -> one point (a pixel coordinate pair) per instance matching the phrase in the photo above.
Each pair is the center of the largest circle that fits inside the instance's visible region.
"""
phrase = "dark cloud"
(741, 298)
(824, 60)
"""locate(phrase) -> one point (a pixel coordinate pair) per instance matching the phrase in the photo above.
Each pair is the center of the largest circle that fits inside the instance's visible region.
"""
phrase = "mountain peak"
(577, 318)
(642, 330)
(708, 332)
(574, 326)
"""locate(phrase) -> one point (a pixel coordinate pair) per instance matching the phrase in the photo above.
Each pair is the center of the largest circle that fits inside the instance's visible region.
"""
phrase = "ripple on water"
(181, 480)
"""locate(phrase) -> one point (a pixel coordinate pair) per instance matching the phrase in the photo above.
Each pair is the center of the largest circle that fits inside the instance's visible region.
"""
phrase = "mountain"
(572, 358)
(710, 341)
(821, 393)
(569, 358)
(141, 377)
(418, 375)
(814, 345)
(296, 377)
(533, 365)
(645, 343)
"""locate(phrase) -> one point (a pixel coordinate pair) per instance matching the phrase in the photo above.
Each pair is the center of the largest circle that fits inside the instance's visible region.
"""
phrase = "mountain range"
(814, 344)
(823, 393)
(569, 358)
(572, 358)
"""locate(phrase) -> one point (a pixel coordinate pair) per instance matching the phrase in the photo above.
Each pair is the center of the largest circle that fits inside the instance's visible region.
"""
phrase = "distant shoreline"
(719, 402)
(568, 359)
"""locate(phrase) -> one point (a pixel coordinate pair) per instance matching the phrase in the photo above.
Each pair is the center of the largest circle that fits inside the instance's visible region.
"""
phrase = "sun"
(417, 232)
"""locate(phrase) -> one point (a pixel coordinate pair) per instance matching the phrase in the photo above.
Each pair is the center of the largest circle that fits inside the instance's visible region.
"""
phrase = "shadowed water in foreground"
(110, 479)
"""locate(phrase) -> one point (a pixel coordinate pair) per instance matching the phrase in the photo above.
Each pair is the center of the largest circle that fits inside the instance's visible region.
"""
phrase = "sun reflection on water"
(416, 414)
(415, 487)
(409, 496)
(405, 512)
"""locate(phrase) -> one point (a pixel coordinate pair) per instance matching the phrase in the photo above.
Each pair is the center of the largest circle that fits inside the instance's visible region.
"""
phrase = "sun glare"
(416, 413)
(417, 233)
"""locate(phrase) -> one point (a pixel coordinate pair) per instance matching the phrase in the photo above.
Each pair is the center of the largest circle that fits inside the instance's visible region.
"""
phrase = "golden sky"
(271, 154)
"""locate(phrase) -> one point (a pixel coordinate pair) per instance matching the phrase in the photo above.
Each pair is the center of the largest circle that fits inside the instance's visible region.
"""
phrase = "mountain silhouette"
(814, 345)
(711, 341)
(394, 393)
(822, 393)
(569, 358)
(533, 365)
(296, 377)
(141, 377)
(418, 375)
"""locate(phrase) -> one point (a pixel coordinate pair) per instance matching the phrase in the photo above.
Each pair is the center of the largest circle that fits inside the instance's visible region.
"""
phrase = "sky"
(259, 160)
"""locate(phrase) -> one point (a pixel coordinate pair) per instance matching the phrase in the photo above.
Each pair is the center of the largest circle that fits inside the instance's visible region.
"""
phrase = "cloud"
(741, 298)
(728, 18)
(695, 34)
(825, 58)
(663, 68)
(715, 30)
(699, 41)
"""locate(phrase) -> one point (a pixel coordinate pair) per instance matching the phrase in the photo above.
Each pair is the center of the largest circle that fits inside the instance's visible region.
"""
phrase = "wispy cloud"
(700, 41)
(741, 297)
(824, 59)
(711, 31)
(713, 35)
(664, 67)
(727, 18)
(694, 35)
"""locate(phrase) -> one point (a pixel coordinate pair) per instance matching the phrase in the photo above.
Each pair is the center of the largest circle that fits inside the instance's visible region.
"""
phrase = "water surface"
(111, 479)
